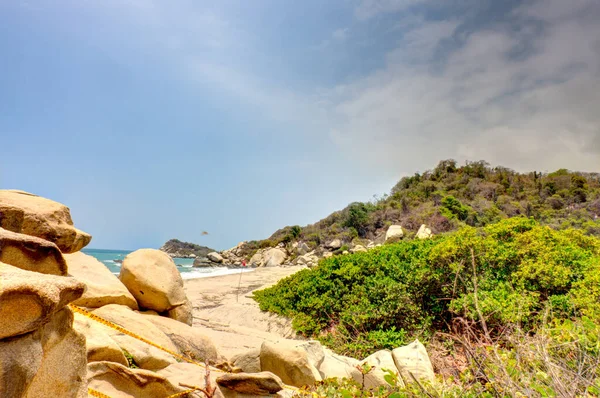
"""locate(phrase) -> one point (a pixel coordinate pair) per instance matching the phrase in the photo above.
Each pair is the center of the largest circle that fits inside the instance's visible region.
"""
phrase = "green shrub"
(412, 288)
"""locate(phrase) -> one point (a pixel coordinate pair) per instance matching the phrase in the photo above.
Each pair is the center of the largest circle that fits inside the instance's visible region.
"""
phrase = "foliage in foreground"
(515, 272)
(562, 359)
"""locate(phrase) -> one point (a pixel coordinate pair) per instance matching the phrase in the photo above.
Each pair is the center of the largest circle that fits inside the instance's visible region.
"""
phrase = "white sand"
(230, 317)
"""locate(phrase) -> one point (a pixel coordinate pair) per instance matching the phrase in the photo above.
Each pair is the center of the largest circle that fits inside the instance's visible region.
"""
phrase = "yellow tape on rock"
(121, 329)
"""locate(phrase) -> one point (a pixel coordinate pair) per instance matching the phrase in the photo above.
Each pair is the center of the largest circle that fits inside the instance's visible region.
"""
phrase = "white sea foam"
(208, 272)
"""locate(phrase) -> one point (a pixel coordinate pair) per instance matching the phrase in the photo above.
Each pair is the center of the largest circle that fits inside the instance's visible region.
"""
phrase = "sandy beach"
(230, 317)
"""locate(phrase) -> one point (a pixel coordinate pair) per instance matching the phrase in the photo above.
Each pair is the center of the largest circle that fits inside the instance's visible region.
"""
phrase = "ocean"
(184, 265)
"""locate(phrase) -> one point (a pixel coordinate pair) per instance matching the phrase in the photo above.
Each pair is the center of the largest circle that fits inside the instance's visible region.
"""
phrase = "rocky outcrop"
(153, 279)
(187, 339)
(103, 287)
(394, 232)
(248, 361)
(178, 249)
(40, 353)
(33, 215)
(290, 362)
(215, 257)
(28, 299)
(100, 346)
(255, 384)
(144, 355)
(413, 362)
(118, 381)
(31, 253)
(182, 313)
(64, 360)
(380, 361)
(358, 249)
(334, 244)
(274, 257)
(424, 232)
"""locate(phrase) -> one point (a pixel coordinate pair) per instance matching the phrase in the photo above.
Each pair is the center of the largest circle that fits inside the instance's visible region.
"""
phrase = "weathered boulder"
(31, 253)
(424, 232)
(381, 361)
(33, 215)
(100, 346)
(302, 248)
(291, 363)
(29, 299)
(248, 361)
(257, 259)
(62, 372)
(263, 383)
(274, 257)
(358, 249)
(339, 366)
(334, 244)
(187, 339)
(394, 231)
(118, 381)
(413, 360)
(144, 355)
(103, 287)
(182, 313)
(327, 254)
(215, 257)
(20, 359)
(153, 279)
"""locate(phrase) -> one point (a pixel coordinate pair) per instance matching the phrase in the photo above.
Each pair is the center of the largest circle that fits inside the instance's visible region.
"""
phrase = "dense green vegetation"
(449, 197)
(515, 272)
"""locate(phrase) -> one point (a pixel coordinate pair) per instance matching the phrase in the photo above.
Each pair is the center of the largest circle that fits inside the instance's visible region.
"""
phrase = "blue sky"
(154, 119)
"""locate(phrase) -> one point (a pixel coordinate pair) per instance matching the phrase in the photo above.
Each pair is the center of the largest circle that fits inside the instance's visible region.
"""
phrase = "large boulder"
(31, 253)
(153, 279)
(334, 244)
(247, 361)
(294, 365)
(103, 287)
(413, 361)
(424, 232)
(302, 248)
(257, 259)
(215, 257)
(62, 372)
(118, 381)
(144, 355)
(274, 257)
(380, 361)
(358, 249)
(339, 366)
(33, 215)
(395, 232)
(183, 313)
(187, 339)
(255, 384)
(100, 346)
(29, 299)
(20, 359)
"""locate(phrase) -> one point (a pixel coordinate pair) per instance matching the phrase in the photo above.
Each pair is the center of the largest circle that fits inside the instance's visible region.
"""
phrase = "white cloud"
(369, 8)
(538, 110)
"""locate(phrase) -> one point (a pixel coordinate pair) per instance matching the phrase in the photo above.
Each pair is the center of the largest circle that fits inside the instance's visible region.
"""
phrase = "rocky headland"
(178, 249)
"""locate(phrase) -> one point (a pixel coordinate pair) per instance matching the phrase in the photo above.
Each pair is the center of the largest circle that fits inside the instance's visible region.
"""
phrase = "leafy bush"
(501, 274)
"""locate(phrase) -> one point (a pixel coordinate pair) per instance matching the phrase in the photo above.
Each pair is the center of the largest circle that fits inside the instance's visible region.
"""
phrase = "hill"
(451, 196)
(177, 248)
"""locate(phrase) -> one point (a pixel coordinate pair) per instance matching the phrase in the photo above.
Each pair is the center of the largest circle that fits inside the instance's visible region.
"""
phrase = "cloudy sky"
(158, 119)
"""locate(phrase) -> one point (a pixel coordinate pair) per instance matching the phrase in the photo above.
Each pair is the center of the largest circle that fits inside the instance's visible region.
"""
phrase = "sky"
(156, 119)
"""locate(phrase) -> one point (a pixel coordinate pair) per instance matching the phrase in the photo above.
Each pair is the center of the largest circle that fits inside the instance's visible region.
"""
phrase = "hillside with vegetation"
(450, 197)
(505, 295)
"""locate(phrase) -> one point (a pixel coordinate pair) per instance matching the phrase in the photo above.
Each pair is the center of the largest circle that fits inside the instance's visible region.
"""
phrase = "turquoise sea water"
(111, 259)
